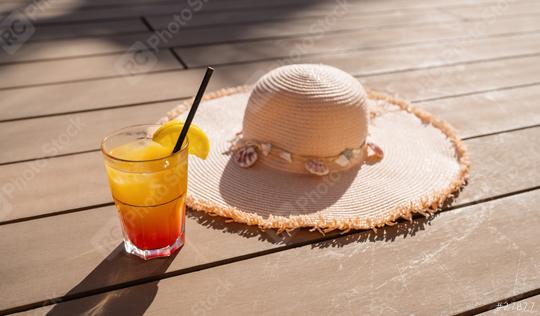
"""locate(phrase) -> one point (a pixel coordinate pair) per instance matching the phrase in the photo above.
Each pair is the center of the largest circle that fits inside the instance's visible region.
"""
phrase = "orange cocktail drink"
(149, 185)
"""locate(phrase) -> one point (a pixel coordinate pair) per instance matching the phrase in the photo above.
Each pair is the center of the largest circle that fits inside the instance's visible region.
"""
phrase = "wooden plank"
(27, 142)
(49, 32)
(95, 3)
(291, 48)
(81, 28)
(153, 87)
(487, 155)
(14, 131)
(501, 165)
(58, 71)
(96, 94)
(495, 10)
(104, 3)
(503, 110)
(311, 16)
(376, 60)
(100, 253)
(39, 72)
(69, 48)
(78, 29)
(33, 51)
(461, 259)
(65, 134)
(55, 185)
(74, 12)
(453, 80)
(382, 18)
(499, 110)
(303, 27)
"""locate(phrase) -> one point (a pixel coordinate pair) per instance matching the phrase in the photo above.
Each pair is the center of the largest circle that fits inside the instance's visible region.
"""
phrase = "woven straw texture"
(423, 166)
(309, 110)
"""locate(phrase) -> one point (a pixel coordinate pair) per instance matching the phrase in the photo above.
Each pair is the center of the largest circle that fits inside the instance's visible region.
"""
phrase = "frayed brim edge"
(426, 205)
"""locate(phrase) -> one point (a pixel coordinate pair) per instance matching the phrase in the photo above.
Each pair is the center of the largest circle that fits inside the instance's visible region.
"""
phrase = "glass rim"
(106, 154)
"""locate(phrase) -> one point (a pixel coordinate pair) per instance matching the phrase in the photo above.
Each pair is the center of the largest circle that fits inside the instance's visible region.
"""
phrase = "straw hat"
(307, 146)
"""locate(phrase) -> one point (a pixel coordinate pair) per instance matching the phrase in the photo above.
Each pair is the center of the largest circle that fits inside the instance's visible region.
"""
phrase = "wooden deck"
(475, 63)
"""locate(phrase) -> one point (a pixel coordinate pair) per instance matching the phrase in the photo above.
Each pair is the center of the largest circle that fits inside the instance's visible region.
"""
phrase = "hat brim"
(424, 164)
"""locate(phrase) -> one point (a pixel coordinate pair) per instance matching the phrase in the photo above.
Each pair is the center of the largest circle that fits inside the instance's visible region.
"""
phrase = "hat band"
(247, 152)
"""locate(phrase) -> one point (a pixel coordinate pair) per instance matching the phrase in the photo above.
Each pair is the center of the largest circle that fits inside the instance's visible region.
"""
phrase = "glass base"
(153, 253)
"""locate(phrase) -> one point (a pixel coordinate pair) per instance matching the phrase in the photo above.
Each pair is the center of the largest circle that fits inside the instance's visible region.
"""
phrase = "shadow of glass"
(118, 268)
(121, 268)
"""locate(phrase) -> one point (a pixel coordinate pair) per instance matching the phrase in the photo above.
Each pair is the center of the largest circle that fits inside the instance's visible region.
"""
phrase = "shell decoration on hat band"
(309, 119)
(245, 154)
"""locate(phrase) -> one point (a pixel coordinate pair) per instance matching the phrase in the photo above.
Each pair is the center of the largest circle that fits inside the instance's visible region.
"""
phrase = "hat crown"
(310, 110)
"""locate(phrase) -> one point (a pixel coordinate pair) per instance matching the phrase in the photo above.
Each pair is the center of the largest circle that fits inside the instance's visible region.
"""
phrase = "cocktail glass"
(149, 192)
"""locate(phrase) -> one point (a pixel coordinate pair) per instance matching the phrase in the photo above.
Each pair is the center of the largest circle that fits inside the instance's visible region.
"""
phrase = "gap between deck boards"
(325, 55)
(232, 260)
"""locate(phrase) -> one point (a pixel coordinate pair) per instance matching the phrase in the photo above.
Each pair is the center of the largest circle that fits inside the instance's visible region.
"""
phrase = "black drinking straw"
(193, 109)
